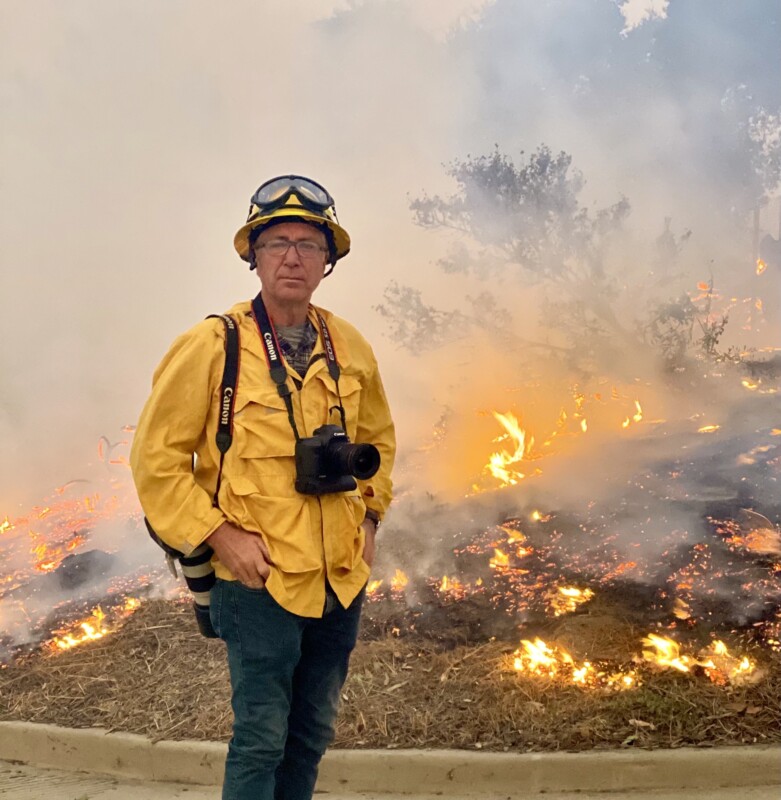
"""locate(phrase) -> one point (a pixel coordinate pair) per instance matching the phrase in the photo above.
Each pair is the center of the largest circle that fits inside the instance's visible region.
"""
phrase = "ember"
(58, 588)
(528, 569)
(567, 598)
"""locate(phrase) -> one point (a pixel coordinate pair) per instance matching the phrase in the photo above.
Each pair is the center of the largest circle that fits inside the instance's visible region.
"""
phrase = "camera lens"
(364, 461)
(359, 460)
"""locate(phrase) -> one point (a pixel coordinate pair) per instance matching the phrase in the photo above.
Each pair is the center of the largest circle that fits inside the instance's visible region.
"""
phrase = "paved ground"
(21, 782)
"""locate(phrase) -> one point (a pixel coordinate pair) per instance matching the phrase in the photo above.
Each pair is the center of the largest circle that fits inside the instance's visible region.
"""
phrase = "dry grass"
(159, 678)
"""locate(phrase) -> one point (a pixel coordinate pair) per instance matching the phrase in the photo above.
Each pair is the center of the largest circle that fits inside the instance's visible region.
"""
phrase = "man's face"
(288, 277)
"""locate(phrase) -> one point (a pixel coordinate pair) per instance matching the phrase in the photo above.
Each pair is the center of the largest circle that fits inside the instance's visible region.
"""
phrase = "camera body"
(328, 462)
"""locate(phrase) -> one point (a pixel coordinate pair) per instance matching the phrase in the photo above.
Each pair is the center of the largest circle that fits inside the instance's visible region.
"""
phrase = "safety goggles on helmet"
(292, 198)
(276, 192)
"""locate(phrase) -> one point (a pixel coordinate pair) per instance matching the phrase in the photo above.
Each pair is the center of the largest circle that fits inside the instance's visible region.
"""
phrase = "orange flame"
(761, 266)
(90, 629)
(567, 598)
(452, 587)
(722, 667)
(499, 463)
(550, 661)
(94, 627)
(399, 581)
(665, 653)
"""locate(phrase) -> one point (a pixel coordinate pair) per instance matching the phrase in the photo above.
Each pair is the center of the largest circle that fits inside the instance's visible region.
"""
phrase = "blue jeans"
(286, 674)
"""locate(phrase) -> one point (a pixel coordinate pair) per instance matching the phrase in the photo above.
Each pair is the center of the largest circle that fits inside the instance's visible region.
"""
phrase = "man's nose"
(291, 255)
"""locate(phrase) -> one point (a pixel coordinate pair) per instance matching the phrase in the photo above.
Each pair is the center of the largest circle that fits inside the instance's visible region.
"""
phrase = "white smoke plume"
(636, 12)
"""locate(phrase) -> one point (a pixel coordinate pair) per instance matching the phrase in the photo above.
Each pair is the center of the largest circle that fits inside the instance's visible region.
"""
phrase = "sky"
(135, 132)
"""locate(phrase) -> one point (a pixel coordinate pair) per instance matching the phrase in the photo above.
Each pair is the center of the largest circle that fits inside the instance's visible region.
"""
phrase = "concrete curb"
(403, 771)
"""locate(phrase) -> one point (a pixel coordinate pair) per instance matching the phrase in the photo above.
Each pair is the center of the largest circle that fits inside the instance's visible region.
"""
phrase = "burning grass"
(158, 677)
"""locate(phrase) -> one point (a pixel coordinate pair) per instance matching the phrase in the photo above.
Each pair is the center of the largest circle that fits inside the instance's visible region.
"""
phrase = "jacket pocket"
(263, 451)
(348, 396)
(342, 517)
(261, 425)
(285, 523)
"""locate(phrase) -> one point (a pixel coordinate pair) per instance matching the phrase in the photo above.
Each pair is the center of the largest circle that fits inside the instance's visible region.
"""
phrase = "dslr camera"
(328, 462)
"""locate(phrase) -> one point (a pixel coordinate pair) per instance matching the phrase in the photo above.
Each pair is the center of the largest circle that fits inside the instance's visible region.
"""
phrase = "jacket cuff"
(213, 521)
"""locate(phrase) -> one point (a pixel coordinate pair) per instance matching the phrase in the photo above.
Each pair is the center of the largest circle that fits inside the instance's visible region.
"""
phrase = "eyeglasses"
(276, 192)
(278, 247)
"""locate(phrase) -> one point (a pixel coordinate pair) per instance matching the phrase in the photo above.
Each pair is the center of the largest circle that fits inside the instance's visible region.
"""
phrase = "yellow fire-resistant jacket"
(308, 536)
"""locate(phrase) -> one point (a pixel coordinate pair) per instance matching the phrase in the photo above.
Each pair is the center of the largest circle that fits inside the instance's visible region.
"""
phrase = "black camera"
(328, 462)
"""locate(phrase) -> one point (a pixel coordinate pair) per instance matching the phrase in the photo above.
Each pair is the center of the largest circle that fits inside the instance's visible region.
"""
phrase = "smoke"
(636, 12)
(135, 133)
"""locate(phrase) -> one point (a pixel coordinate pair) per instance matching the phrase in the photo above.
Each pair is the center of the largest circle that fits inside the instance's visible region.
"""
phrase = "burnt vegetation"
(159, 678)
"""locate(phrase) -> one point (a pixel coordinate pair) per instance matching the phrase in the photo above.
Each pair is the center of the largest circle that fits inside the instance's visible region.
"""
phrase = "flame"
(719, 664)
(399, 581)
(539, 658)
(372, 587)
(453, 587)
(567, 598)
(94, 627)
(131, 604)
(708, 428)
(499, 463)
(681, 609)
(722, 667)
(500, 560)
(665, 653)
(5, 525)
(752, 385)
(509, 466)
(449, 584)
(761, 266)
(766, 541)
(550, 661)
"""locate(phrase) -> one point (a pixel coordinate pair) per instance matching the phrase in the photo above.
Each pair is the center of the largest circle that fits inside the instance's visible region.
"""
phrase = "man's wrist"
(373, 516)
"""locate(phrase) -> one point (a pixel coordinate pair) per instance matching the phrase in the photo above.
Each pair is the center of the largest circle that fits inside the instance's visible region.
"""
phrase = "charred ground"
(159, 678)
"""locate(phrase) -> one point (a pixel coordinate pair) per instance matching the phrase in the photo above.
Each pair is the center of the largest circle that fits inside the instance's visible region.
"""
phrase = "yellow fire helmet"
(292, 198)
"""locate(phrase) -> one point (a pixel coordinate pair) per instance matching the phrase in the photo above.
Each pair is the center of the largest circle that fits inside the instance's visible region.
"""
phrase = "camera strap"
(276, 364)
(333, 364)
(230, 379)
(224, 437)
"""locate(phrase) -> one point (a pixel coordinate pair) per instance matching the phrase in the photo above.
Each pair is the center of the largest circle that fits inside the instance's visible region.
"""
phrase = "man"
(291, 565)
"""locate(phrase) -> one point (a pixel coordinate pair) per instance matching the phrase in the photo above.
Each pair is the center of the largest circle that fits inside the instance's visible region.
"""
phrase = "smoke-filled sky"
(134, 132)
